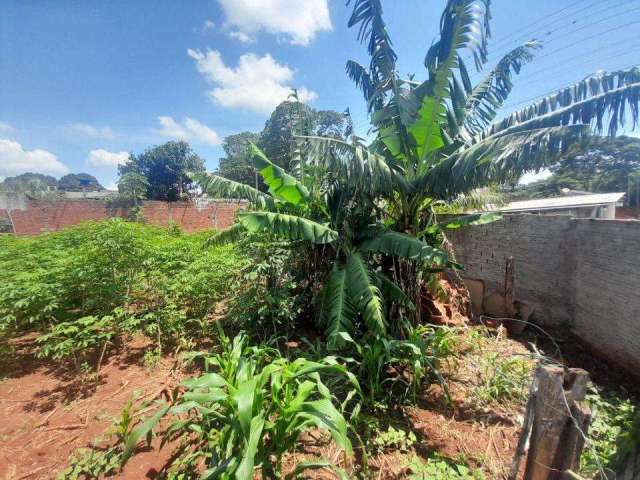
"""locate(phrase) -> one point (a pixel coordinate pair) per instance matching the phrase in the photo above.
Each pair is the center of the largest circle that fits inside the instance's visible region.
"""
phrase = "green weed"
(612, 423)
(503, 379)
(438, 468)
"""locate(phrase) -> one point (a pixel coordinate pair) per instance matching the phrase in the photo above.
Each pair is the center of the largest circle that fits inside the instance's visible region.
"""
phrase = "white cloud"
(190, 130)
(297, 20)
(208, 25)
(531, 177)
(90, 131)
(103, 158)
(257, 83)
(15, 160)
(243, 37)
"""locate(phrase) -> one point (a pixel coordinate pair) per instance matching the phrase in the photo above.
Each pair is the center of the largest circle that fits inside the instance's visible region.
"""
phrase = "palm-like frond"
(486, 97)
(366, 295)
(498, 159)
(405, 246)
(590, 101)
(463, 25)
(478, 199)
(353, 164)
(291, 227)
(281, 185)
(373, 31)
(228, 235)
(337, 312)
(361, 77)
(219, 187)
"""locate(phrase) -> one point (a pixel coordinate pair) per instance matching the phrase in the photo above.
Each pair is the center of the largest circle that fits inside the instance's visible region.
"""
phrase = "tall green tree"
(604, 164)
(291, 118)
(236, 164)
(165, 168)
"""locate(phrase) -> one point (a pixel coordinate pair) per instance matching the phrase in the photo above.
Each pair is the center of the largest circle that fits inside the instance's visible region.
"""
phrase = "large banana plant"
(319, 206)
(439, 136)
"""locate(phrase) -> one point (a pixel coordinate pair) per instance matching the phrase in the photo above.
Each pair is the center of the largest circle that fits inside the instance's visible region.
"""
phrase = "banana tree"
(439, 137)
(326, 210)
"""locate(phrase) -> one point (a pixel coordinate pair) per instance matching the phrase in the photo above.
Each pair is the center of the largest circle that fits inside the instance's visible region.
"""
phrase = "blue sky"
(84, 82)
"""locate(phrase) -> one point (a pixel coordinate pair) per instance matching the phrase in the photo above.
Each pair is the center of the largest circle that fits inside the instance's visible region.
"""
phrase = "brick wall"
(46, 216)
(580, 273)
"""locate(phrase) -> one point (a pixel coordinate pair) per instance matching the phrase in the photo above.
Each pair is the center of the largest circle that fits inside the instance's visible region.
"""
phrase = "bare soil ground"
(46, 413)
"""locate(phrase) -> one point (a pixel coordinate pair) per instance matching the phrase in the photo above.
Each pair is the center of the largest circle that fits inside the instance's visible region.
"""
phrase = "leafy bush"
(249, 408)
(87, 285)
(77, 338)
(612, 422)
(271, 299)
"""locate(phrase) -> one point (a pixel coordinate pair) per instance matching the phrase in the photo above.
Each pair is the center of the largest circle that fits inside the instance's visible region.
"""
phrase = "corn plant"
(249, 408)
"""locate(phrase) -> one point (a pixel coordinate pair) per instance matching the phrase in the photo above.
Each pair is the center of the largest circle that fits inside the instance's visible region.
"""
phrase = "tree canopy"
(604, 164)
(166, 169)
(78, 182)
(236, 164)
(289, 118)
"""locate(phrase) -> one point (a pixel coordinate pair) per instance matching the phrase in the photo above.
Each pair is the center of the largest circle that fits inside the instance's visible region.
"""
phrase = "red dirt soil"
(46, 413)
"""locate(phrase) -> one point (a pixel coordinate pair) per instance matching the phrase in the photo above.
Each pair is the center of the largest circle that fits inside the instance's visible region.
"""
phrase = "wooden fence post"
(558, 419)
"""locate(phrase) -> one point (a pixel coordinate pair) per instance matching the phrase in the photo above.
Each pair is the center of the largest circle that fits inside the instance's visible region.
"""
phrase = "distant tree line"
(38, 185)
(604, 164)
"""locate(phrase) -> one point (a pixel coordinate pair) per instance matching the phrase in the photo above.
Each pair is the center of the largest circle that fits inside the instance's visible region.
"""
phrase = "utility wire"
(562, 64)
(474, 78)
(568, 22)
(517, 33)
(561, 87)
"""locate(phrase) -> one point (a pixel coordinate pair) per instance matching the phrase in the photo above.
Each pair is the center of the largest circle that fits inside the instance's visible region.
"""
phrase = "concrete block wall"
(580, 273)
(39, 216)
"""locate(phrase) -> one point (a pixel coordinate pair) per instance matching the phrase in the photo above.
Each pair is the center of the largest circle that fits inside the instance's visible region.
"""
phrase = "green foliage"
(237, 164)
(288, 119)
(90, 284)
(79, 182)
(250, 407)
(166, 169)
(503, 379)
(269, 300)
(393, 439)
(89, 463)
(611, 426)
(133, 186)
(395, 370)
(602, 165)
(77, 339)
(438, 468)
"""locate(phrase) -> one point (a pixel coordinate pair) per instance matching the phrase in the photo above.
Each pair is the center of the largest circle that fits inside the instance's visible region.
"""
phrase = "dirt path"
(46, 413)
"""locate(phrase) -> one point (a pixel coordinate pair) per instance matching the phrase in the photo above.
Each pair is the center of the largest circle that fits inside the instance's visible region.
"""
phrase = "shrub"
(89, 284)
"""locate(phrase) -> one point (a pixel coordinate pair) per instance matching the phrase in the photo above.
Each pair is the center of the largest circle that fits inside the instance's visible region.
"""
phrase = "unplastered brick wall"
(39, 216)
(580, 273)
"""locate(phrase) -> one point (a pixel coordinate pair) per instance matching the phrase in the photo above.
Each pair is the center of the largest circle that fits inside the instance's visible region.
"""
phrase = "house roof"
(558, 203)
